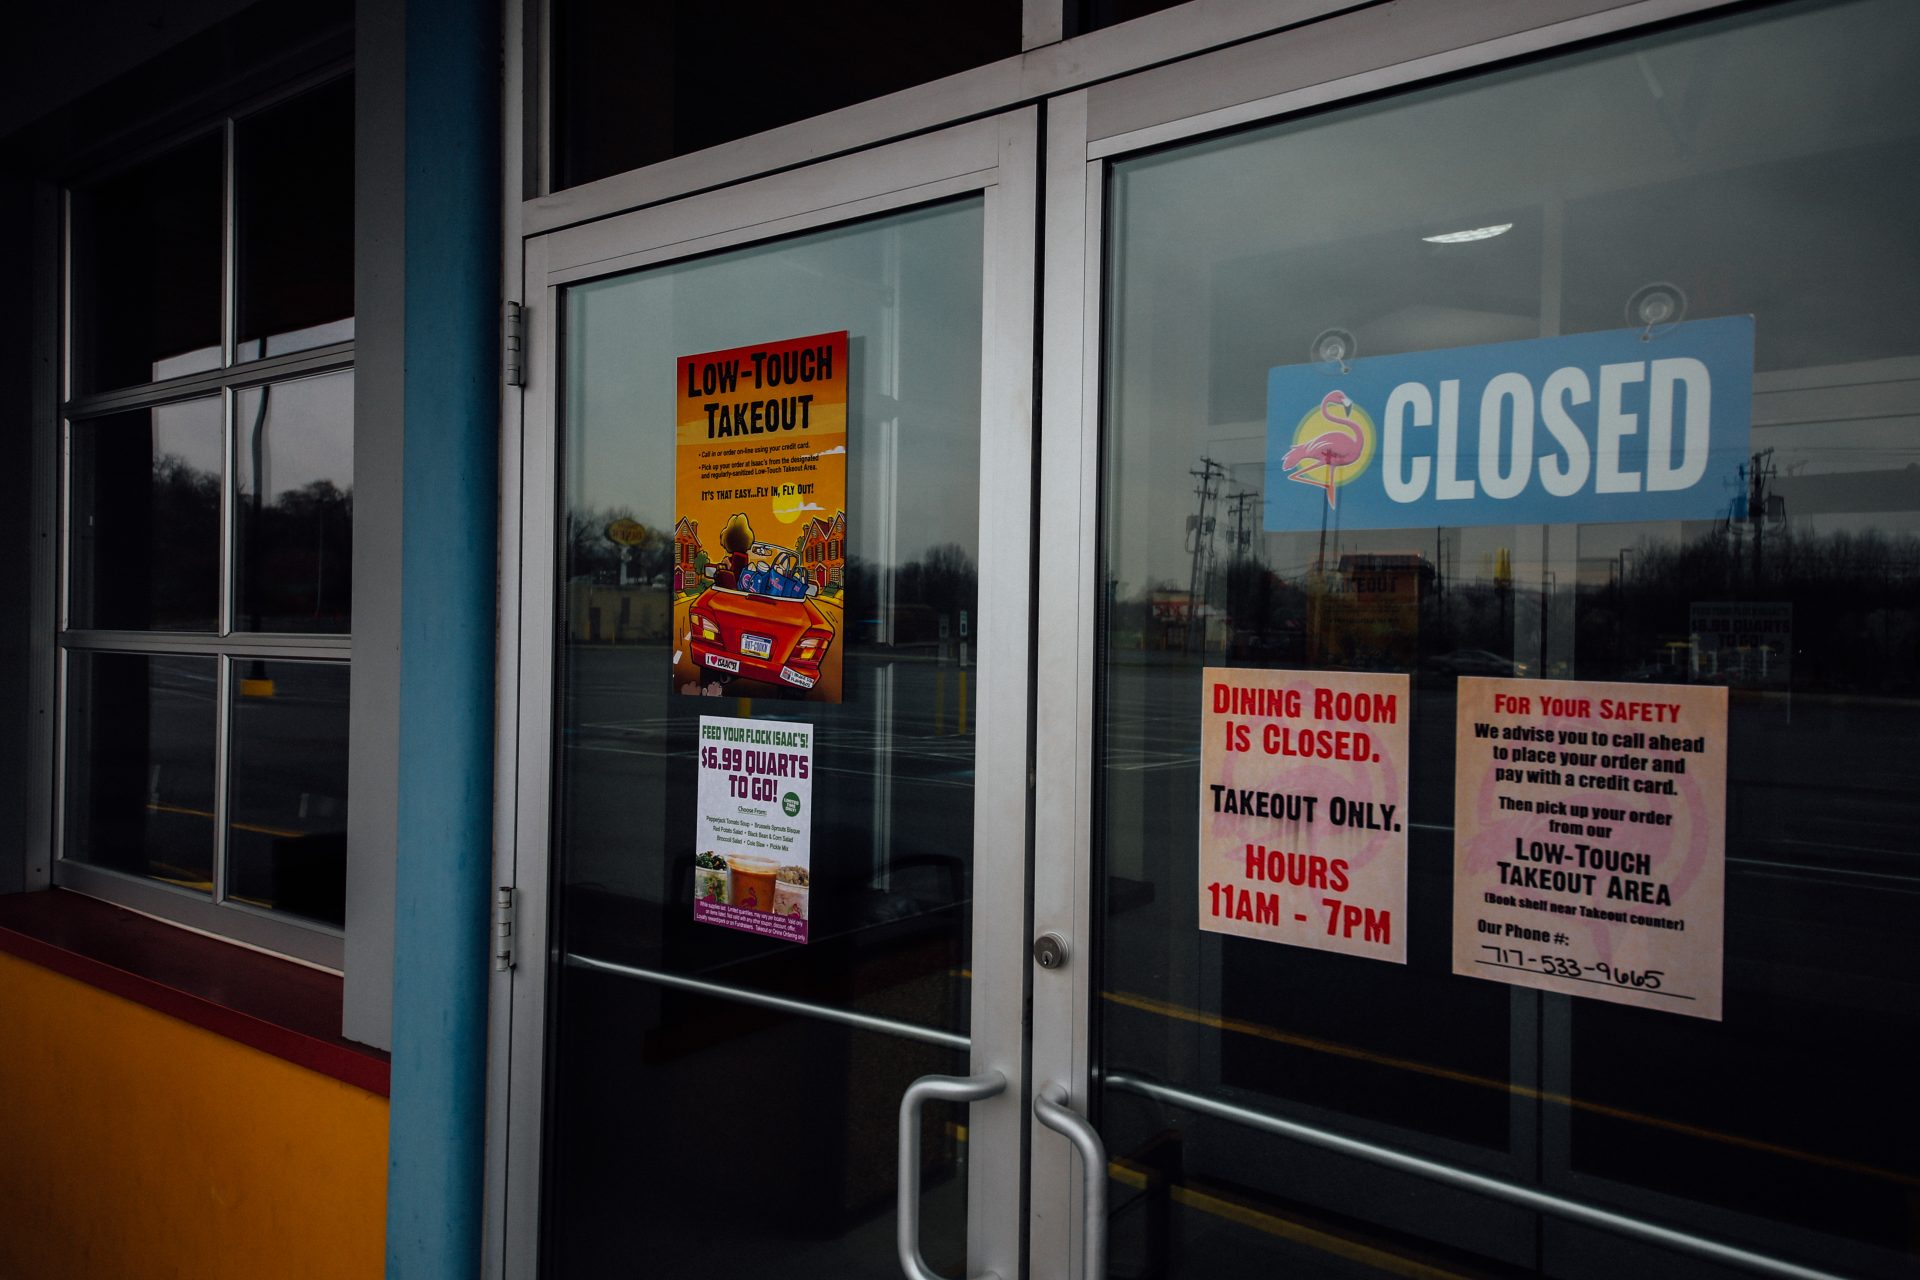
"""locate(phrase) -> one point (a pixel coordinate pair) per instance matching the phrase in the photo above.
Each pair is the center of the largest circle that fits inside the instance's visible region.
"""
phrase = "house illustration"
(822, 548)
(686, 547)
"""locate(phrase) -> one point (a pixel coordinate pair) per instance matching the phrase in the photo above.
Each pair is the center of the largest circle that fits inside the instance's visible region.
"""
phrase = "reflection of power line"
(1239, 507)
(1200, 542)
(1763, 505)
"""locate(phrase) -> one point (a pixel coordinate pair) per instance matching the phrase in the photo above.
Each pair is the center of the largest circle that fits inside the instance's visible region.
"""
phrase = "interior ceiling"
(55, 53)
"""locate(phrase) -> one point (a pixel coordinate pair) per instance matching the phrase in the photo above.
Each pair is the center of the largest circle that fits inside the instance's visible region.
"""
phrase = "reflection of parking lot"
(1822, 873)
(1821, 891)
(1824, 806)
(893, 776)
(151, 769)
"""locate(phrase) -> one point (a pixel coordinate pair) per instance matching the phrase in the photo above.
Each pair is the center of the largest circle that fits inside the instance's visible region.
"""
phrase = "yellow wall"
(136, 1145)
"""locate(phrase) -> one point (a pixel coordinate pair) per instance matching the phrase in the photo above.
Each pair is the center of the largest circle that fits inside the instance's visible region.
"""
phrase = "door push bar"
(1050, 1108)
(945, 1089)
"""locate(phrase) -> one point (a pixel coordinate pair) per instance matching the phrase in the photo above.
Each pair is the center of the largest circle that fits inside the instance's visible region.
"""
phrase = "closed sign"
(1622, 425)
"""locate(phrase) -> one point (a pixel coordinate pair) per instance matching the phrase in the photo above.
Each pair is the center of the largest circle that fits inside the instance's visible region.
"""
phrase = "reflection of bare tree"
(177, 480)
(595, 558)
(296, 557)
(941, 584)
(1257, 600)
(1855, 598)
(168, 573)
(945, 579)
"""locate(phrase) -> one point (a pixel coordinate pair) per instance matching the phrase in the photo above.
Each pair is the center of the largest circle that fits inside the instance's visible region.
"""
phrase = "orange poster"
(760, 539)
(1303, 809)
(1589, 851)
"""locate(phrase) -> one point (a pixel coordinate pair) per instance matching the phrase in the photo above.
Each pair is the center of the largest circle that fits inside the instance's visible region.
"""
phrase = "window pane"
(287, 834)
(1763, 165)
(146, 270)
(294, 554)
(146, 519)
(891, 875)
(637, 83)
(140, 766)
(293, 190)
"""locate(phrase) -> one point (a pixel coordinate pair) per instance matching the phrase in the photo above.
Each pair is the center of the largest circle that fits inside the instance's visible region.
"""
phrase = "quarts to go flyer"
(752, 866)
(760, 535)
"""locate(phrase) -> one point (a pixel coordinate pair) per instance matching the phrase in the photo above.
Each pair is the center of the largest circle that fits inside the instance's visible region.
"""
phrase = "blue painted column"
(448, 570)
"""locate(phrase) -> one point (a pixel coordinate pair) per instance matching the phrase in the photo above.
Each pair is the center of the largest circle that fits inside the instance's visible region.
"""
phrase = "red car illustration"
(761, 636)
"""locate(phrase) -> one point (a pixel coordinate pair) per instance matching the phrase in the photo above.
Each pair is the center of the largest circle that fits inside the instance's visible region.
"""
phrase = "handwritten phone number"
(1563, 967)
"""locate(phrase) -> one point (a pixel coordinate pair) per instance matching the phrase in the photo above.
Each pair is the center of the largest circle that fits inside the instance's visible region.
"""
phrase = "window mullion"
(222, 772)
(63, 524)
(229, 511)
(69, 384)
(229, 252)
(330, 358)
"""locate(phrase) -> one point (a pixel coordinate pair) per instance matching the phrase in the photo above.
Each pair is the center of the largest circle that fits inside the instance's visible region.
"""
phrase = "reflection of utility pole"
(1200, 539)
(253, 582)
(1243, 532)
(1623, 573)
(250, 582)
(1760, 477)
(1549, 585)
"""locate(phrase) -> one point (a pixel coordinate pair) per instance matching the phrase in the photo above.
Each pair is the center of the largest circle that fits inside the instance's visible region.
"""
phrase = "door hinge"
(503, 928)
(515, 329)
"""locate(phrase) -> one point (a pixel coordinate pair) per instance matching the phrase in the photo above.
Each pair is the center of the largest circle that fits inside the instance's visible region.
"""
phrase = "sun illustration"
(787, 507)
(1332, 446)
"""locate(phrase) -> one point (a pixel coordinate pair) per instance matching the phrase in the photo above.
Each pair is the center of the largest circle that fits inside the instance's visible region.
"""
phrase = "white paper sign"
(753, 857)
(1303, 808)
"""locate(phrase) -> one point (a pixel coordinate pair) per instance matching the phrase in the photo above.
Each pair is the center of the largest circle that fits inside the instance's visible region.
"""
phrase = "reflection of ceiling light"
(1333, 346)
(1657, 304)
(1462, 237)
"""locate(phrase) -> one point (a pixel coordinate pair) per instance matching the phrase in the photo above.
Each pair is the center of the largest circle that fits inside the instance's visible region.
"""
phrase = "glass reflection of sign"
(1748, 643)
(1628, 424)
(626, 533)
(1368, 613)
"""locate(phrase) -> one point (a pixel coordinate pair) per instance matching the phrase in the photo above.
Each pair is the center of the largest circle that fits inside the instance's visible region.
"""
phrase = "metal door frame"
(996, 158)
(1344, 56)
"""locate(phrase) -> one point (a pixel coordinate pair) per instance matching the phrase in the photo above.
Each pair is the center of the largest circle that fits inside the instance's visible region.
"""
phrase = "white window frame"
(1370, 51)
(313, 942)
(996, 159)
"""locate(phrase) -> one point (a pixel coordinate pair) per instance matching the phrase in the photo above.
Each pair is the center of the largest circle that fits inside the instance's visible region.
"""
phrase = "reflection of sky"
(907, 290)
(190, 431)
(307, 434)
(1767, 165)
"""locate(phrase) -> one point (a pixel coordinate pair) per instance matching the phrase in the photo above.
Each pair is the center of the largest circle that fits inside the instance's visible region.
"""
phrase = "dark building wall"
(16, 411)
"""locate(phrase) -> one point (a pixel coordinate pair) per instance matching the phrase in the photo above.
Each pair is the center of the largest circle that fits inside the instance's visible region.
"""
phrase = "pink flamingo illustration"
(1327, 450)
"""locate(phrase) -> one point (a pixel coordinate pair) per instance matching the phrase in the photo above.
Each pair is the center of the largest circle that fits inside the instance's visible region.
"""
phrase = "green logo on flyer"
(791, 803)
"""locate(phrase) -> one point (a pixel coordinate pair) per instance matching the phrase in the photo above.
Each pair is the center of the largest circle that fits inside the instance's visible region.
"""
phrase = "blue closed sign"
(1593, 427)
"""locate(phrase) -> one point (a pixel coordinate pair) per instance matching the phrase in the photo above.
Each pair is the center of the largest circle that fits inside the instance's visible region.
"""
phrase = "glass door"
(768, 1016)
(1286, 1082)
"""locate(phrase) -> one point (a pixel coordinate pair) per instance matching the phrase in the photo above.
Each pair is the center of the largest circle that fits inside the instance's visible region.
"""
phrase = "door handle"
(945, 1089)
(1050, 1108)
